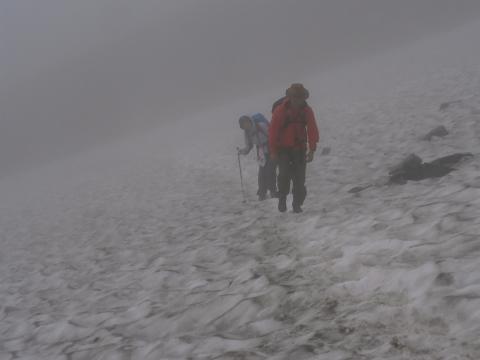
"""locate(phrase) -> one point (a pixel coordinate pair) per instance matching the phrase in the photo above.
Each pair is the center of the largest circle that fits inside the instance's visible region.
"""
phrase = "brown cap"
(297, 91)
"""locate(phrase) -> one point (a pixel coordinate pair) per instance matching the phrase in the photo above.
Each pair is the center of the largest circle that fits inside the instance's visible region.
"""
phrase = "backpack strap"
(300, 138)
(302, 119)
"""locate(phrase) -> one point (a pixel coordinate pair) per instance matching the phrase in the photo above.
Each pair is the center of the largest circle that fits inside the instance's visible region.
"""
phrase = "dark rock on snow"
(439, 131)
(444, 106)
(326, 151)
(413, 168)
(451, 160)
(357, 189)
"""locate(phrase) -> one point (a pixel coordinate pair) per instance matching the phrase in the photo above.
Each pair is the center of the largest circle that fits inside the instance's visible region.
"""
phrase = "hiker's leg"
(299, 170)
(284, 176)
(284, 169)
(271, 173)
(262, 182)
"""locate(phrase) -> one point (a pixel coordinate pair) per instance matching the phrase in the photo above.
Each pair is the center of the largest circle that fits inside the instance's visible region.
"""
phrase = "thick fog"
(79, 73)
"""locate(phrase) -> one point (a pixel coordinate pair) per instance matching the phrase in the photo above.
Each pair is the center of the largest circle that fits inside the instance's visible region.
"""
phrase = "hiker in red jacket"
(293, 137)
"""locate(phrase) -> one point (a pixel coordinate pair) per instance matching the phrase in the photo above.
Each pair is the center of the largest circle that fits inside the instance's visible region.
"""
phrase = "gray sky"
(77, 73)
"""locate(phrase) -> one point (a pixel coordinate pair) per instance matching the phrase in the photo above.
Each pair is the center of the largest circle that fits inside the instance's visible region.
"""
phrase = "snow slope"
(144, 250)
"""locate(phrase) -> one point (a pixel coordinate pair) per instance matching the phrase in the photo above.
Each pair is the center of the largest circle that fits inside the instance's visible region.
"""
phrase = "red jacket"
(292, 129)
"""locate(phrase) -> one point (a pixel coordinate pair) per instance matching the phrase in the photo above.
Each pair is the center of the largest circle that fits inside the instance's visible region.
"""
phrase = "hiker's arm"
(312, 130)
(248, 145)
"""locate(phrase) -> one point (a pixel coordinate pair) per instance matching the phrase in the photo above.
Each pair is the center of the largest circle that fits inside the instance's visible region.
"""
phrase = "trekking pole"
(241, 177)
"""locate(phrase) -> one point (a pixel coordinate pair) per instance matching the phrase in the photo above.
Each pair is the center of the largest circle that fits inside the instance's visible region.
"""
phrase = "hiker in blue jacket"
(255, 128)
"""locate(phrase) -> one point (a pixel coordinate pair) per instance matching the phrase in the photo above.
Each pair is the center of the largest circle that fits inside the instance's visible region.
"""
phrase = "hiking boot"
(262, 197)
(282, 204)
(297, 209)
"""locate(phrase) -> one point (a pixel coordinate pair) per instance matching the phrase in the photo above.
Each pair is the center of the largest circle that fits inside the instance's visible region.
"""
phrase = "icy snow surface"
(146, 251)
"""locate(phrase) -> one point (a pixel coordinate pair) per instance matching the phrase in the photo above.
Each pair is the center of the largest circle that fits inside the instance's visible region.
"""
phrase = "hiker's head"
(245, 122)
(297, 95)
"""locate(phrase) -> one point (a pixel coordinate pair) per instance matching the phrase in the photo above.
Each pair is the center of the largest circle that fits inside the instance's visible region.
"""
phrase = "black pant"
(292, 167)
(267, 177)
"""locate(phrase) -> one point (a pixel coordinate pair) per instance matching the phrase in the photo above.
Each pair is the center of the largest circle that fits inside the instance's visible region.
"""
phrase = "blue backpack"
(259, 118)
